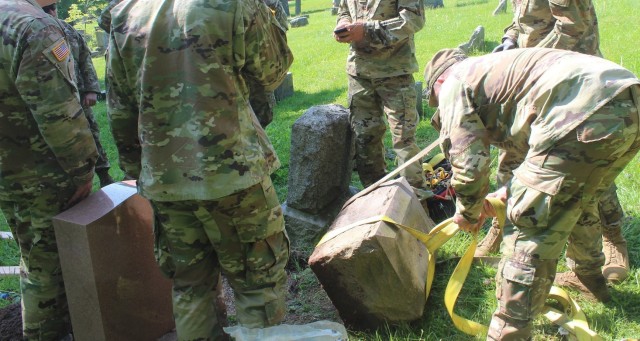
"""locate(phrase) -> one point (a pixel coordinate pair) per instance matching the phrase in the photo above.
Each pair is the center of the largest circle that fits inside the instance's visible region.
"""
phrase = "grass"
(319, 78)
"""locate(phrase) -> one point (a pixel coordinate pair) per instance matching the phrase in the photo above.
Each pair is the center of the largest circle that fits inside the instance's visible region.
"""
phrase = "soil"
(306, 302)
(11, 322)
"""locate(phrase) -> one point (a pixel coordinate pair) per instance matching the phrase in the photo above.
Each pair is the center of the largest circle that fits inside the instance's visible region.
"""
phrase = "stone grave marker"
(114, 287)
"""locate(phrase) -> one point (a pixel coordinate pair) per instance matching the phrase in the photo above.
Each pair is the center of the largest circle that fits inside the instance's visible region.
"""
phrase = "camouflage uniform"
(575, 152)
(380, 70)
(561, 24)
(568, 25)
(262, 101)
(87, 81)
(104, 20)
(202, 158)
(46, 152)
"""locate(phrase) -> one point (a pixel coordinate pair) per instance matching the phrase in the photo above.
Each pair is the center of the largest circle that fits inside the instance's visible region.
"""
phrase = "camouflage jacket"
(178, 98)
(522, 97)
(561, 24)
(388, 48)
(86, 77)
(104, 20)
(44, 135)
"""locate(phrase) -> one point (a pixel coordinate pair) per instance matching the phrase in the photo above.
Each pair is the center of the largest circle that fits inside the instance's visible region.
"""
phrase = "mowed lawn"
(319, 78)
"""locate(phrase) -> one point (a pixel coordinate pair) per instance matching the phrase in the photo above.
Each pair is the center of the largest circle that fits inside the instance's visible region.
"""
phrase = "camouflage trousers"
(369, 101)
(102, 163)
(45, 314)
(241, 235)
(551, 198)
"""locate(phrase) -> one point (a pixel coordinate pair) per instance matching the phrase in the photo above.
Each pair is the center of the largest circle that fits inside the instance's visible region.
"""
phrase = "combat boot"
(592, 286)
(616, 265)
(491, 242)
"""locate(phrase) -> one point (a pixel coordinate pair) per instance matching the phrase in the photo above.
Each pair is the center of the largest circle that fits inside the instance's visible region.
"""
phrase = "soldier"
(380, 69)
(47, 155)
(199, 152)
(575, 151)
(570, 26)
(262, 101)
(88, 86)
(104, 20)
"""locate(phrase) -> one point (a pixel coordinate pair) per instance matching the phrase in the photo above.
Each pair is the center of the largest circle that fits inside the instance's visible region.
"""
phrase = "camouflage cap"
(440, 62)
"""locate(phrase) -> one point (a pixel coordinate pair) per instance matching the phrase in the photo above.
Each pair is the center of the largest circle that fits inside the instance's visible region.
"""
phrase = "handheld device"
(340, 30)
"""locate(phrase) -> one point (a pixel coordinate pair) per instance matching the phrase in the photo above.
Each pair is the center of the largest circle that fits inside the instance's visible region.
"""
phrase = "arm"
(572, 22)
(122, 109)
(391, 31)
(89, 87)
(263, 44)
(45, 84)
(466, 146)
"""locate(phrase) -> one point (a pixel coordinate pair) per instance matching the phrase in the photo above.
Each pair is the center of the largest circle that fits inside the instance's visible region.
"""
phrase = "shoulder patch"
(61, 50)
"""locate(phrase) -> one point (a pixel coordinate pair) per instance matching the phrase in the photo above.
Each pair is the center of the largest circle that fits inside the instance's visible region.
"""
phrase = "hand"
(500, 193)
(507, 44)
(354, 33)
(89, 99)
(465, 225)
(82, 192)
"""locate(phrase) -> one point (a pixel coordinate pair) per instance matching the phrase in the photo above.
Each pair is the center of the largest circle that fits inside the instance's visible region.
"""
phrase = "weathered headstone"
(374, 272)
(433, 3)
(285, 89)
(475, 43)
(299, 21)
(114, 287)
(502, 7)
(102, 40)
(320, 167)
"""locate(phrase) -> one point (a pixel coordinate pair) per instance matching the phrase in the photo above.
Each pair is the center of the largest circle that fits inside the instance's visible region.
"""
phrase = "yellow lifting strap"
(572, 319)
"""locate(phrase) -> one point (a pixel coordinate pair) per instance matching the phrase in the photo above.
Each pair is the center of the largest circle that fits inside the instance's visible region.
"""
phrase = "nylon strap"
(573, 319)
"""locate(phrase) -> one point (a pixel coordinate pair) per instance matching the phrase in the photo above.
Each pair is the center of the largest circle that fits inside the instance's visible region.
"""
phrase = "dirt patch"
(306, 302)
(11, 322)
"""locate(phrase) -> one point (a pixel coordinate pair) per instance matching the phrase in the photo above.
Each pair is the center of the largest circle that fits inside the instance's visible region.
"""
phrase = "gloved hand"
(507, 44)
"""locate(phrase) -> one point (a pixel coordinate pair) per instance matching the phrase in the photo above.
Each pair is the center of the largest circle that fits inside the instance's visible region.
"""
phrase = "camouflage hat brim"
(440, 62)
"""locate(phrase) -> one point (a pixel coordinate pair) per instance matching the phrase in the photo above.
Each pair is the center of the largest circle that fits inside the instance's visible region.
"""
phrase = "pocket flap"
(541, 179)
(519, 273)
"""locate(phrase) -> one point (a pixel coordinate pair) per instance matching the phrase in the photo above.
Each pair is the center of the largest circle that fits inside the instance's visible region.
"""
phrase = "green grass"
(319, 78)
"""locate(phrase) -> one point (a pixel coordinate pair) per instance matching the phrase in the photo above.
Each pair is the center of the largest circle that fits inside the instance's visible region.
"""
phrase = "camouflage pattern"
(575, 152)
(45, 312)
(46, 152)
(195, 134)
(104, 20)
(561, 24)
(242, 236)
(262, 101)
(369, 101)
(389, 29)
(86, 81)
(380, 70)
(198, 151)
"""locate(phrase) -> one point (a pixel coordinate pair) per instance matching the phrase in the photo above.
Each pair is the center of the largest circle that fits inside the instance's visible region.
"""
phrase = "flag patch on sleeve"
(61, 50)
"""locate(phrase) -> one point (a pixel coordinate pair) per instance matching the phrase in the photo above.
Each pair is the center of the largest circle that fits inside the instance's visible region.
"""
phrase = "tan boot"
(491, 242)
(616, 265)
(592, 286)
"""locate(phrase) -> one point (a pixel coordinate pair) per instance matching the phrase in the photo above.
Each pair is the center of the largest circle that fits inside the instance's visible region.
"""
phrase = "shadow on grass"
(302, 100)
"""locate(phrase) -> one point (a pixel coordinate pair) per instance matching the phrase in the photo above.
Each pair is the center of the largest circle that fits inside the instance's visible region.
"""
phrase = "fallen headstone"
(299, 21)
(374, 272)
